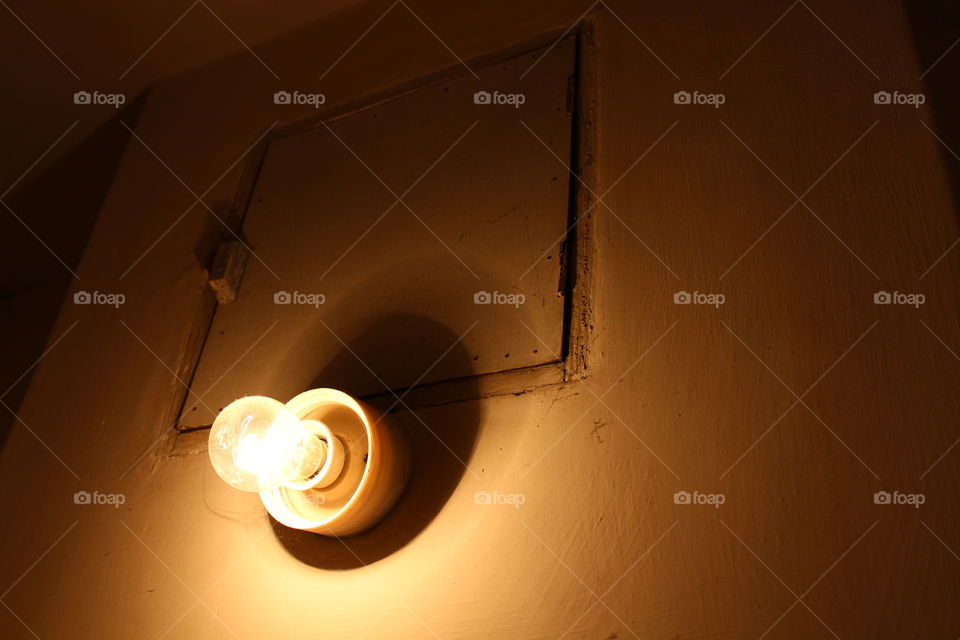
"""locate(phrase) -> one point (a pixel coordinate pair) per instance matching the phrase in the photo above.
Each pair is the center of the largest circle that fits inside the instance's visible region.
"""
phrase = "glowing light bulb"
(258, 444)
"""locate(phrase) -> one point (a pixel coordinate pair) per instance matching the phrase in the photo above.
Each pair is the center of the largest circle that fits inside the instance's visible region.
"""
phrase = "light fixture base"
(376, 462)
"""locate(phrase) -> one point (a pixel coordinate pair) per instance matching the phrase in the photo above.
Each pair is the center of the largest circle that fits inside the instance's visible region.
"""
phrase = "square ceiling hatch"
(411, 242)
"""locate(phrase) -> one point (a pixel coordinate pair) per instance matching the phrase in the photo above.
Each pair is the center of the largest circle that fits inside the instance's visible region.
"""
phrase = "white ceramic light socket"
(334, 456)
(375, 459)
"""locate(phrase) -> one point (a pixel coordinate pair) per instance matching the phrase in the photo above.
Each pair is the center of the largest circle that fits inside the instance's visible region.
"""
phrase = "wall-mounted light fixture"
(323, 462)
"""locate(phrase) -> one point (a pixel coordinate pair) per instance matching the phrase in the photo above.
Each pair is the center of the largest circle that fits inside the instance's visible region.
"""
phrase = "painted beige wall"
(599, 518)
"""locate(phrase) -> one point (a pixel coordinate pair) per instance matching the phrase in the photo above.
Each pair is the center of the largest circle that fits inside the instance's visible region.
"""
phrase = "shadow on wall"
(934, 26)
(60, 205)
(441, 440)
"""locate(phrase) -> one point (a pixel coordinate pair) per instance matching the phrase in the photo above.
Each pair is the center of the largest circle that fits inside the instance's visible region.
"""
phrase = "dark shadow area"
(441, 440)
(60, 205)
(936, 27)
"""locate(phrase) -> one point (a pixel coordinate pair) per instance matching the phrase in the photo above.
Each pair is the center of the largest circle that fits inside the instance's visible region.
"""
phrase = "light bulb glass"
(258, 444)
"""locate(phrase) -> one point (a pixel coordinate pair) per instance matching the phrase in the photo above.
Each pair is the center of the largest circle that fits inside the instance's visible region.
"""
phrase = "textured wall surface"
(794, 402)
